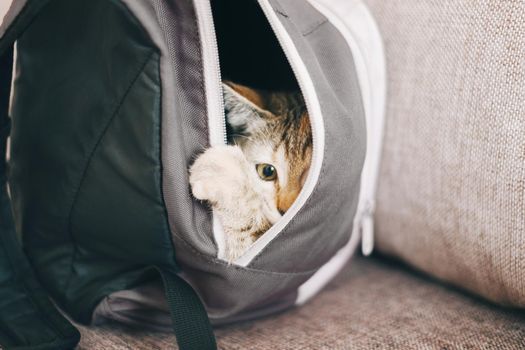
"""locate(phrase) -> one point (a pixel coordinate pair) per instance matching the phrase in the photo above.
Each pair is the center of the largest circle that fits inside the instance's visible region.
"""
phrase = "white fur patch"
(224, 177)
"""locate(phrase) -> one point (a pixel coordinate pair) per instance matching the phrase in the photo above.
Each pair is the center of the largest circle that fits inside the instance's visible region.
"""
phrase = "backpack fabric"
(111, 102)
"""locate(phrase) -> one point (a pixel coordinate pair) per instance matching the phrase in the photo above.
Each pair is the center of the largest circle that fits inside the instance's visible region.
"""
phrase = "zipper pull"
(367, 229)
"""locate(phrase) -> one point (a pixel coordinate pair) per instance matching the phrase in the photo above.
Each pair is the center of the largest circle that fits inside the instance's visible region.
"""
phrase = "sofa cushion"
(370, 305)
(451, 195)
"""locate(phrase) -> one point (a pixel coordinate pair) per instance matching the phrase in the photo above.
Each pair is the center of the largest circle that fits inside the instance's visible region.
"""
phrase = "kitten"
(252, 182)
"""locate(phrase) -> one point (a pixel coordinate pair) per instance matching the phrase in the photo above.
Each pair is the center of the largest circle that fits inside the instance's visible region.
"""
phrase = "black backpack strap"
(28, 318)
(190, 320)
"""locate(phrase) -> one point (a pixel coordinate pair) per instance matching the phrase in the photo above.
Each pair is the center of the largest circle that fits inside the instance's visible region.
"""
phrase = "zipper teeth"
(219, 79)
(212, 73)
(317, 125)
(214, 94)
(215, 49)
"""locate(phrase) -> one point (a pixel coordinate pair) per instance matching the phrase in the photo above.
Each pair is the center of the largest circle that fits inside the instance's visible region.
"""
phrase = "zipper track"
(212, 74)
(316, 120)
(214, 96)
(371, 69)
(355, 22)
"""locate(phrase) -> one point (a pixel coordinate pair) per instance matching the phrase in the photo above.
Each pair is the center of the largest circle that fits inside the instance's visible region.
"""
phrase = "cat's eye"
(267, 172)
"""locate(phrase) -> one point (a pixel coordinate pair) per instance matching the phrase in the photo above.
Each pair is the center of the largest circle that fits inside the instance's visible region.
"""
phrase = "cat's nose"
(285, 201)
(286, 198)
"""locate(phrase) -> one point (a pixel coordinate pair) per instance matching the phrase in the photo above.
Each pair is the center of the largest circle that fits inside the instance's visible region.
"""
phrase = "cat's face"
(273, 130)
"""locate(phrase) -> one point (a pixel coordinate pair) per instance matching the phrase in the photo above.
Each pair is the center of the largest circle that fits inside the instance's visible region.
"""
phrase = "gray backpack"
(111, 101)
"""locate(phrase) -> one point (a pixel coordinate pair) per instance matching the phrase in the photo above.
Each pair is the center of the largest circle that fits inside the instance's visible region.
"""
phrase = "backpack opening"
(249, 51)
(255, 50)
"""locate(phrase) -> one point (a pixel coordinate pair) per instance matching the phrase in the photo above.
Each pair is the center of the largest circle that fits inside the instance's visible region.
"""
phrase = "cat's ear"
(244, 108)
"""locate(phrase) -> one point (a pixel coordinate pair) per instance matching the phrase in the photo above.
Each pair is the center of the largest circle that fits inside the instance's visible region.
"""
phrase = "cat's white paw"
(217, 172)
(200, 190)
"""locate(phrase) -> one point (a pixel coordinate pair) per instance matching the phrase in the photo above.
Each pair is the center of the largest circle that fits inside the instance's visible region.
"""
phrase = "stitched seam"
(175, 233)
(6, 128)
(202, 87)
(215, 261)
(167, 57)
(88, 163)
(195, 29)
(314, 27)
(281, 13)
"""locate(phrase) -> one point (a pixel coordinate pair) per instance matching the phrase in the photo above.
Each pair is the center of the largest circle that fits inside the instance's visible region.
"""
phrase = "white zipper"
(368, 54)
(365, 226)
(212, 73)
(214, 96)
(316, 120)
(355, 22)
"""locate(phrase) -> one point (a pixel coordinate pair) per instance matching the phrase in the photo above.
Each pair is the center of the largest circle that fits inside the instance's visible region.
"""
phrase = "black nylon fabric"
(89, 143)
(85, 177)
(23, 19)
(28, 319)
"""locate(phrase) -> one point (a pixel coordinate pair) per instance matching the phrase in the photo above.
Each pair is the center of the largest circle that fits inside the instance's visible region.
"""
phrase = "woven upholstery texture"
(370, 305)
(452, 183)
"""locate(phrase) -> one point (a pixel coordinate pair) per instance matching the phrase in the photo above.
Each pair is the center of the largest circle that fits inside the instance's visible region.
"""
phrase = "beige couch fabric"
(370, 305)
(452, 184)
